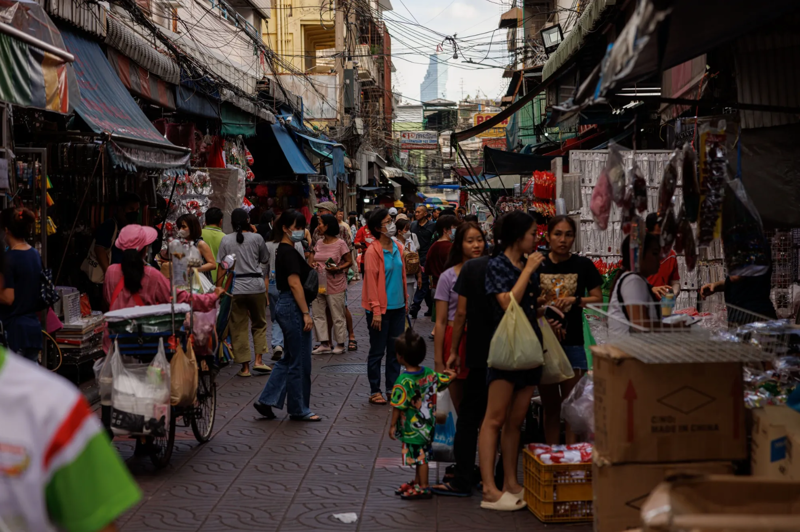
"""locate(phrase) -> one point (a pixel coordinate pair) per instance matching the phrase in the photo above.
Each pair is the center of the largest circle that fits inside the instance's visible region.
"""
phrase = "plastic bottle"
(667, 304)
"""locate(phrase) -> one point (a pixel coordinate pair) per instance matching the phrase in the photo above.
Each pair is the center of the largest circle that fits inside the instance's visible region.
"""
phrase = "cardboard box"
(666, 412)
(621, 490)
(774, 444)
(723, 503)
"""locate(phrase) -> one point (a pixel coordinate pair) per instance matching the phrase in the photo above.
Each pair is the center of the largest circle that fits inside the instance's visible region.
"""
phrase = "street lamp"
(551, 38)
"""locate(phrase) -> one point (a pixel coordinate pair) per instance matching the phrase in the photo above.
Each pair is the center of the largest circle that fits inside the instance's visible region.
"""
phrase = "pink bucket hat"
(136, 237)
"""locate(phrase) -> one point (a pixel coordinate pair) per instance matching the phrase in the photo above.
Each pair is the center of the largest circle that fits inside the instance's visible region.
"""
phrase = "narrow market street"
(264, 475)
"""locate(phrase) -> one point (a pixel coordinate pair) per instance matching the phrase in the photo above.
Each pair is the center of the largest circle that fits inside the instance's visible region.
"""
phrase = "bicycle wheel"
(161, 446)
(50, 356)
(205, 407)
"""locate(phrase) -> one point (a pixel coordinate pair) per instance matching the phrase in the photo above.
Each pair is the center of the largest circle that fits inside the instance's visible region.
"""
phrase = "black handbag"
(311, 286)
(48, 295)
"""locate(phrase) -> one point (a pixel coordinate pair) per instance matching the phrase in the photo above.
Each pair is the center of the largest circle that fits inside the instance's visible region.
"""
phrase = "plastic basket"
(558, 492)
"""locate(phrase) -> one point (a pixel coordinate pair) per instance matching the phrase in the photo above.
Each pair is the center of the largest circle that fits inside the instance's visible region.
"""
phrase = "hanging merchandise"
(669, 182)
(616, 173)
(544, 185)
(691, 188)
(601, 200)
(746, 249)
(714, 172)
(689, 247)
(683, 227)
(248, 156)
(669, 228)
(637, 236)
(639, 184)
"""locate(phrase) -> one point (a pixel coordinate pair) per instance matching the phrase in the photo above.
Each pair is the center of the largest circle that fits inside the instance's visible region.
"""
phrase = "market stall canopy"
(237, 122)
(107, 108)
(650, 42)
(36, 71)
(277, 155)
(491, 182)
(390, 172)
(142, 82)
(500, 162)
(192, 101)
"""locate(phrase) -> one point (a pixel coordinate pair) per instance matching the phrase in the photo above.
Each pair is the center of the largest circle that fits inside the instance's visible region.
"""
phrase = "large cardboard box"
(621, 490)
(774, 443)
(716, 503)
(666, 412)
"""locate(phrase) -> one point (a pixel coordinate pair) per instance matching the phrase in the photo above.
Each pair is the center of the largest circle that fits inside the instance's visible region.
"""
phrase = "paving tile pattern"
(282, 475)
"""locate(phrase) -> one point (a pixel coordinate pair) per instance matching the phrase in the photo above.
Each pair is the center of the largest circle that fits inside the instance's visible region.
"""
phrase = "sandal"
(310, 417)
(404, 488)
(446, 488)
(263, 368)
(417, 494)
(506, 503)
(243, 373)
(352, 345)
(377, 399)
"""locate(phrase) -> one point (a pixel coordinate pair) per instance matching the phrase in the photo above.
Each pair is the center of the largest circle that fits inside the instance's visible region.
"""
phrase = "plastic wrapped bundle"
(616, 174)
(601, 201)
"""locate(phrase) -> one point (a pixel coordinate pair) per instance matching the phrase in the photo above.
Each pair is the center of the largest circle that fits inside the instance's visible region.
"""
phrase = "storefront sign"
(419, 140)
(496, 143)
(497, 131)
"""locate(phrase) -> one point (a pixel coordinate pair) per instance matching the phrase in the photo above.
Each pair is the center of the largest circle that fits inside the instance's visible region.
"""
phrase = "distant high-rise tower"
(435, 83)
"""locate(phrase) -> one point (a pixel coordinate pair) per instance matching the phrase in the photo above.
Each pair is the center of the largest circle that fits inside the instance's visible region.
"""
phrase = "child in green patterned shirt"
(414, 412)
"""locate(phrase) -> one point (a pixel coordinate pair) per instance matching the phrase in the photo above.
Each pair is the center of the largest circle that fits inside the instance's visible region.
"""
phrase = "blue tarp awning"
(107, 107)
(294, 155)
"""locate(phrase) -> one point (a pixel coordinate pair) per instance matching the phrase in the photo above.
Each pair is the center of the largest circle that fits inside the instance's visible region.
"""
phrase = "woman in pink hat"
(134, 284)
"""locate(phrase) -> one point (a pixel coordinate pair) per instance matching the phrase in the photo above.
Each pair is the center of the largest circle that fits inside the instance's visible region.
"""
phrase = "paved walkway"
(264, 475)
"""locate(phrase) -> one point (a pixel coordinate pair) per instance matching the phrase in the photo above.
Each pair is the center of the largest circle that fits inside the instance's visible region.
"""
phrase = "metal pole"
(36, 43)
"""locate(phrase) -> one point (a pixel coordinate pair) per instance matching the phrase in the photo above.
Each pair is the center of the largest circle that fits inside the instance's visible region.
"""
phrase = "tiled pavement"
(264, 475)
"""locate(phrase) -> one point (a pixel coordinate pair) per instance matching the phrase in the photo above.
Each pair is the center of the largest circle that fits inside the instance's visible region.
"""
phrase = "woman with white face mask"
(385, 299)
(291, 378)
(190, 232)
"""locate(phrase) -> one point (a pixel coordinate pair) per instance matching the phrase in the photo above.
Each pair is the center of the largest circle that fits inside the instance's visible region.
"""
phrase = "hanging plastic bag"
(445, 431)
(203, 331)
(601, 201)
(669, 182)
(140, 395)
(691, 187)
(669, 229)
(616, 173)
(714, 172)
(515, 345)
(202, 284)
(578, 408)
(183, 376)
(104, 376)
(557, 367)
(745, 246)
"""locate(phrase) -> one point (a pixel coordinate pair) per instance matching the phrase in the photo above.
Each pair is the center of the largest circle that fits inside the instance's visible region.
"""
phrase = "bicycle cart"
(139, 339)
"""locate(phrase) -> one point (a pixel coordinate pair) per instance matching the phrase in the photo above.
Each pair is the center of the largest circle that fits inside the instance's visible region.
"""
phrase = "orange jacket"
(373, 290)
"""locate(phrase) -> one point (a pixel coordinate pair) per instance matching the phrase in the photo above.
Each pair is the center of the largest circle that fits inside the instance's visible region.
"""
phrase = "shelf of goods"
(596, 243)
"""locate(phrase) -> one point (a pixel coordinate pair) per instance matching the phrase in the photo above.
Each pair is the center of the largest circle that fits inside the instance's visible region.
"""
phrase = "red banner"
(496, 143)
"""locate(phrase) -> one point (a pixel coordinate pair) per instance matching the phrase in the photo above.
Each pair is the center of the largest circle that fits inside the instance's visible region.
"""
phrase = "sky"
(470, 20)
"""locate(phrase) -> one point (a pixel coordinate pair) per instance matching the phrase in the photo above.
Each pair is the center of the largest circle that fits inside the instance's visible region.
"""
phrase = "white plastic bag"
(578, 408)
(445, 430)
(140, 395)
(557, 367)
(104, 377)
(515, 345)
(202, 284)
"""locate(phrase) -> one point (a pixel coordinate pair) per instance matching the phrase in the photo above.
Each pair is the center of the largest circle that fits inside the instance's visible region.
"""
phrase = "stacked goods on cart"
(558, 482)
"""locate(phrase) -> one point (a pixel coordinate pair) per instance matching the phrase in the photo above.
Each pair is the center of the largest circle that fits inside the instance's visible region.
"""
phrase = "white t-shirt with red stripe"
(58, 470)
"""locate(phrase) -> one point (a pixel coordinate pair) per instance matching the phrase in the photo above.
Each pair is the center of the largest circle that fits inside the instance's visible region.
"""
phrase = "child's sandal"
(417, 494)
(404, 488)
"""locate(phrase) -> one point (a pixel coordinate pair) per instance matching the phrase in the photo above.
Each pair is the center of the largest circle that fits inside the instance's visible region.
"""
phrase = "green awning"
(574, 39)
(237, 122)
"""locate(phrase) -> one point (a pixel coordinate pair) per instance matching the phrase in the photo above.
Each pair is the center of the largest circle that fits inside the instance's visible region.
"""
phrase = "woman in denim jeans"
(276, 337)
(385, 298)
(291, 375)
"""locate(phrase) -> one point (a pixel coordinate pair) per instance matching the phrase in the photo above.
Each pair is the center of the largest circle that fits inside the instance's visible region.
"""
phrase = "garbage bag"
(515, 345)
(557, 367)
(578, 408)
(444, 433)
(140, 395)
(183, 376)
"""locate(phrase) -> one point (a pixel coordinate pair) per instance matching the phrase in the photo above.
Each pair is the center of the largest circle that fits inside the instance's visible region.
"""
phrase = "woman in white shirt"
(631, 300)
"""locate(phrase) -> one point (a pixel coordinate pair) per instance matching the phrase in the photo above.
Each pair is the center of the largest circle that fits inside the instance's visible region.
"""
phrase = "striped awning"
(33, 68)
(141, 82)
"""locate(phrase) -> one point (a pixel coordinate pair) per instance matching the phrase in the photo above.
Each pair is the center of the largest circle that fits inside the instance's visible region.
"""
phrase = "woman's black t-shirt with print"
(575, 276)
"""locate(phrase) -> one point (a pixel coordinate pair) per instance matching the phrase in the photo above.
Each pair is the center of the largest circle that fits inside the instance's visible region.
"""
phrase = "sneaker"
(428, 313)
(338, 350)
(321, 350)
(413, 314)
(277, 352)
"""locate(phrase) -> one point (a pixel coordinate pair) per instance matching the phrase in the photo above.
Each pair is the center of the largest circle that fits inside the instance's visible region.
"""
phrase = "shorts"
(462, 351)
(520, 379)
(416, 454)
(577, 356)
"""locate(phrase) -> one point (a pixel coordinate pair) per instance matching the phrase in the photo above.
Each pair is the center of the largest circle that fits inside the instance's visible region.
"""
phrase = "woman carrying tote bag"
(509, 275)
